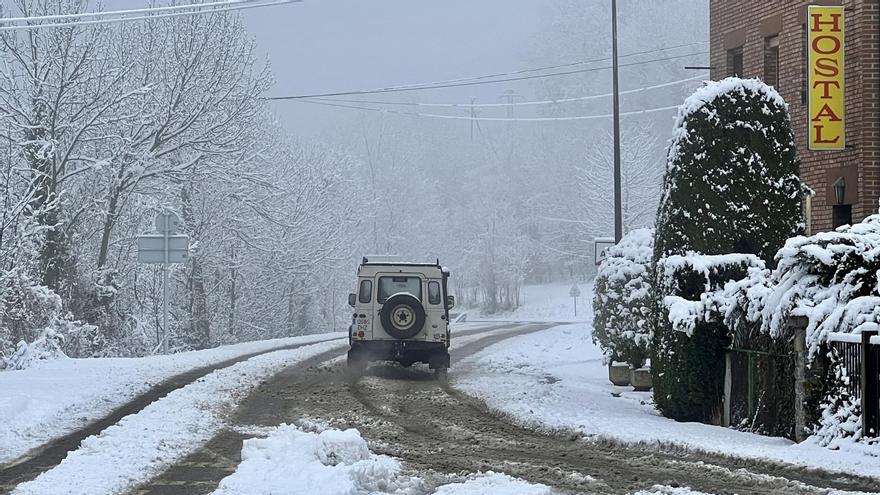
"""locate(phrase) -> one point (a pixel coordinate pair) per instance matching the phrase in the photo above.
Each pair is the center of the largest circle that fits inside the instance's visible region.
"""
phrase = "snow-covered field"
(545, 303)
(56, 397)
(556, 379)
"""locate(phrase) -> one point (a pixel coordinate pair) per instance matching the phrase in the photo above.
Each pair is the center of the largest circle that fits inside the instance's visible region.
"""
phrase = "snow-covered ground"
(289, 460)
(56, 397)
(313, 458)
(142, 444)
(542, 303)
(556, 379)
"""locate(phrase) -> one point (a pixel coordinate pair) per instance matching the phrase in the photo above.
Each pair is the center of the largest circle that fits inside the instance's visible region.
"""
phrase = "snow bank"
(53, 398)
(291, 461)
(555, 379)
(668, 490)
(332, 462)
(494, 484)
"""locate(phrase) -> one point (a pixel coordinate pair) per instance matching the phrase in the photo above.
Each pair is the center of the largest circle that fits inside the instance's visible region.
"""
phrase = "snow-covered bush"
(622, 299)
(34, 326)
(46, 347)
(708, 290)
(688, 359)
(732, 178)
(26, 310)
(832, 279)
(731, 186)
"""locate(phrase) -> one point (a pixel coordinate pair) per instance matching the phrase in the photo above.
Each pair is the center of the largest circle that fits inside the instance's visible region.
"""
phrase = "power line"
(537, 69)
(488, 119)
(160, 15)
(471, 82)
(519, 103)
(113, 13)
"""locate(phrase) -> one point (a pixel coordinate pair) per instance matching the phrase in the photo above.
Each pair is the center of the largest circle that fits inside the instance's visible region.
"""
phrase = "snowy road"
(403, 413)
(414, 437)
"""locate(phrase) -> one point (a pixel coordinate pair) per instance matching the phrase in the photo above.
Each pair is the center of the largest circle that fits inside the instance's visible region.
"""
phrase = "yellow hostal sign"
(826, 120)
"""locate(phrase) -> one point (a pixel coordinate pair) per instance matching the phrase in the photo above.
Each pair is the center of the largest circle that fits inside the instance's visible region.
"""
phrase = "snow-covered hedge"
(622, 299)
(831, 278)
(732, 176)
(688, 359)
(731, 186)
(712, 279)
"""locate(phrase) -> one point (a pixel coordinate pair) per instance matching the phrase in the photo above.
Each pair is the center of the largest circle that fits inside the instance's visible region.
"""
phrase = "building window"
(771, 61)
(841, 215)
(735, 62)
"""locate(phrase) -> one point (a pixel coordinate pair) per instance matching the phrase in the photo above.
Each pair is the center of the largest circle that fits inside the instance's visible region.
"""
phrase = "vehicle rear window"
(365, 293)
(388, 286)
(433, 292)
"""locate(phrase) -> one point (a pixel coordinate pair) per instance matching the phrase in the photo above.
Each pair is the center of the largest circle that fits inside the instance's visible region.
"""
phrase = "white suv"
(401, 314)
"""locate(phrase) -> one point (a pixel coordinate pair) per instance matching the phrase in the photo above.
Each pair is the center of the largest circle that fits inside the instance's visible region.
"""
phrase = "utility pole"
(473, 117)
(618, 220)
(510, 95)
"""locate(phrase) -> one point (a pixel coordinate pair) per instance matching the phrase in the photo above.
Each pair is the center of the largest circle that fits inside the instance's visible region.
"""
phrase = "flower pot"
(618, 373)
(641, 379)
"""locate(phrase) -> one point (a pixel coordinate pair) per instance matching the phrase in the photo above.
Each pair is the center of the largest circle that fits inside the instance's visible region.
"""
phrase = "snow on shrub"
(689, 355)
(731, 186)
(622, 299)
(831, 278)
(33, 325)
(732, 178)
(46, 347)
(712, 279)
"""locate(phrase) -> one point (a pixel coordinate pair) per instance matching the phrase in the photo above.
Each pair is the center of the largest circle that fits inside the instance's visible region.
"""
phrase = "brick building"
(767, 39)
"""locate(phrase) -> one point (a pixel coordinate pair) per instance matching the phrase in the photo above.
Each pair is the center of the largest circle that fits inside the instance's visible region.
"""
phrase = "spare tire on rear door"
(402, 316)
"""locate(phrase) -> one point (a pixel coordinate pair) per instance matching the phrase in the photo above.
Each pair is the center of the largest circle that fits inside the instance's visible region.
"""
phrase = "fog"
(501, 202)
(503, 173)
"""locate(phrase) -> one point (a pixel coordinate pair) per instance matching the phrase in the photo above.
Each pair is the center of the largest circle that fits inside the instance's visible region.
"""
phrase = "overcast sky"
(319, 46)
(316, 46)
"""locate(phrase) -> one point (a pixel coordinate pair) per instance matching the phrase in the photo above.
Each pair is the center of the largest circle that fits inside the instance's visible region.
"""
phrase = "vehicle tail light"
(361, 334)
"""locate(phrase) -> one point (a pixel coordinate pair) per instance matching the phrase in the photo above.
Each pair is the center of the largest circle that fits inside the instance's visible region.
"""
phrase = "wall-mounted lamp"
(839, 190)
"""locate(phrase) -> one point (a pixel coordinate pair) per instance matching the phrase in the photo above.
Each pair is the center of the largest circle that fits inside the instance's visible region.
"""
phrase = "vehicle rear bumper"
(435, 354)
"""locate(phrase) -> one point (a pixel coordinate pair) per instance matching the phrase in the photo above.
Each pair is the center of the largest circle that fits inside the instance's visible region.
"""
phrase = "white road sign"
(151, 249)
(600, 245)
(167, 222)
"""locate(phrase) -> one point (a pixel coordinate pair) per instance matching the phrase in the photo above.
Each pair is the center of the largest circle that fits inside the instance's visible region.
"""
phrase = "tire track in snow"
(51, 454)
(201, 471)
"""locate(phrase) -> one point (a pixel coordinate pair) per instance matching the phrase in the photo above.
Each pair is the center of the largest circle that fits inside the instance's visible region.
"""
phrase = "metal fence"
(759, 392)
(847, 354)
(858, 357)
